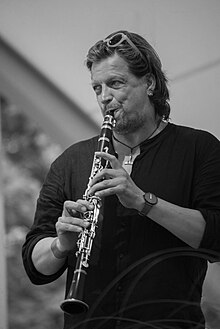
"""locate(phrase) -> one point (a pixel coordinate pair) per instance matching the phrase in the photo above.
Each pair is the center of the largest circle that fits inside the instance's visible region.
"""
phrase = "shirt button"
(121, 255)
(119, 288)
(118, 322)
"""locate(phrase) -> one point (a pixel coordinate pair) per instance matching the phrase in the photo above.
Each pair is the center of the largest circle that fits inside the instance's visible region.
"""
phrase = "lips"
(116, 110)
(116, 113)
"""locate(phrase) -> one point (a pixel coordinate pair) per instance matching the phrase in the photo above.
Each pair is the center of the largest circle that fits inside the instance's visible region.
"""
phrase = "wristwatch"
(150, 200)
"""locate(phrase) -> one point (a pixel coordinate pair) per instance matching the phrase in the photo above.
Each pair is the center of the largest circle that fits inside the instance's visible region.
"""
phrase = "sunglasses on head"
(117, 39)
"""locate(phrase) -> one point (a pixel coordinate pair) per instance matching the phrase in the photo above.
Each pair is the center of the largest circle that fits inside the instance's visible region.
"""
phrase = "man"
(160, 217)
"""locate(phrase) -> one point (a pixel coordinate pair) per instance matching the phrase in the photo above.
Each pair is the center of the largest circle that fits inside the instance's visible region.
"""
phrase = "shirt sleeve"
(62, 183)
(206, 194)
(49, 208)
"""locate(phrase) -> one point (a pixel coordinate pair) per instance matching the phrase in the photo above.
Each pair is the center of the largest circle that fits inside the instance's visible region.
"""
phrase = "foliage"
(27, 154)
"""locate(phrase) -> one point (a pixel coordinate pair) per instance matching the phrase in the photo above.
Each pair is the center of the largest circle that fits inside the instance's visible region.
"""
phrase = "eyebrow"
(109, 79)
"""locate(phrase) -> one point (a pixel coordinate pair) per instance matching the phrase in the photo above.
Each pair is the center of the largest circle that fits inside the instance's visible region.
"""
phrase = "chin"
(124, 129)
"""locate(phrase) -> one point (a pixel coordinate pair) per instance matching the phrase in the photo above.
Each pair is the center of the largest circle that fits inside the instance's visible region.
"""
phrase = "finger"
(62, 228)
(70, 208)
(108, 174)
(65, 229)
(74, 209)
(108, 191)
(70, 224)
(115, 164)
(100, 176)
(107, 187)
(72, 221)
(85, 204)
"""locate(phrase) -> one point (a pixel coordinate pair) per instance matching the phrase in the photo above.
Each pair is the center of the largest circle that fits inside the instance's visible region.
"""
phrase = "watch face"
(150, 198)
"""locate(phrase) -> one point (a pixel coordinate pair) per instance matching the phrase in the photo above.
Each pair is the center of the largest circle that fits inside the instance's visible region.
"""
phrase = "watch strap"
(145, 210)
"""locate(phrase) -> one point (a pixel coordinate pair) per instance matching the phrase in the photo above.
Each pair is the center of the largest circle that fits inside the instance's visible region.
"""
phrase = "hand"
(116, 181)
(70, 224)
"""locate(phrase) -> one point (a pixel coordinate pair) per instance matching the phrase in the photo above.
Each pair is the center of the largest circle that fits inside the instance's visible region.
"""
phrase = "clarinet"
(74, 304)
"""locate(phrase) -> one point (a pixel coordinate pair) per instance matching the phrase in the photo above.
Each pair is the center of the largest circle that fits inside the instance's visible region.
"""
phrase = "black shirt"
(140, 274)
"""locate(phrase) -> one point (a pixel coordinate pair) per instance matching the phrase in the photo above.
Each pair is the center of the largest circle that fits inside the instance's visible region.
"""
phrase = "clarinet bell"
(74, 306)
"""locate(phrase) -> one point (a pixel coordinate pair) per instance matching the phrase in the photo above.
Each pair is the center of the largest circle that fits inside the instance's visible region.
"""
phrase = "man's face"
(117, 88)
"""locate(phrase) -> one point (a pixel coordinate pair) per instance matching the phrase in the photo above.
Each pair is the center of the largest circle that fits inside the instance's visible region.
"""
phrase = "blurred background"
(47, 103)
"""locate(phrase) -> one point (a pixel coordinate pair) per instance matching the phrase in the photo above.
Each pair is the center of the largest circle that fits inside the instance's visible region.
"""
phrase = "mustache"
(109, 108)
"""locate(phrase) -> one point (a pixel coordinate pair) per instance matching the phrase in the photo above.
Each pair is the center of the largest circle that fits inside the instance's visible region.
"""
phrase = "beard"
(129, 123)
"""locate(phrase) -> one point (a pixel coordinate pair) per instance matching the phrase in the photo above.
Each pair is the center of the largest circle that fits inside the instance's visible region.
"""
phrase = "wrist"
(57, 250)
(140, 203)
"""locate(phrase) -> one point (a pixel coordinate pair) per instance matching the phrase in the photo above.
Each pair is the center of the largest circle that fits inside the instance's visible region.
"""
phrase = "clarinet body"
(73, 304)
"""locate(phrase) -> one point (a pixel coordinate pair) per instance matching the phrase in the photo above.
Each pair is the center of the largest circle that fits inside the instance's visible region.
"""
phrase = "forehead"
(111, 66)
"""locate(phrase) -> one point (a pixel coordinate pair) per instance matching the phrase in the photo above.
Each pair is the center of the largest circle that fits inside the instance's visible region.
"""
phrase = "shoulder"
(76, 153)
(194, 135)
(84, 146)
(195, 141)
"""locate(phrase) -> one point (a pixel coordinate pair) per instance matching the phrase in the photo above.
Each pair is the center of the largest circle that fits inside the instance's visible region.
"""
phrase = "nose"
(106, 95)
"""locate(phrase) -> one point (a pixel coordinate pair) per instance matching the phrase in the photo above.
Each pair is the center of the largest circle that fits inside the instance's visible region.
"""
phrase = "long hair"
(146, 63)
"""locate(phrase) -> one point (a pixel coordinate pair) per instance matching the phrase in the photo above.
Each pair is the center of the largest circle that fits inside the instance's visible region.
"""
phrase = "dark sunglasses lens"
(115, 39)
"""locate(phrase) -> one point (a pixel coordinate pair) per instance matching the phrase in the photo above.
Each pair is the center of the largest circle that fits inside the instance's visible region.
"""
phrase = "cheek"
(130, 101)
(122, 98)
(99, 101)
(139, 98)
(101, 107)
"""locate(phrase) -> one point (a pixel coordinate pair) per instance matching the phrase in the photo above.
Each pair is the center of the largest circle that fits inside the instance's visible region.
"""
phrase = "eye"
(97, 89)
(116, 84)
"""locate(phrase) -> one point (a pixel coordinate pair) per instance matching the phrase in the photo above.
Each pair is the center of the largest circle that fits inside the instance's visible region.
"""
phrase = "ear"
(151, 83)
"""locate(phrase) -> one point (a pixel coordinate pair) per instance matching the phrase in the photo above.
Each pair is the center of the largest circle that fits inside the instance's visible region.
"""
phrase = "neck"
(129, 148)
(136, 138)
